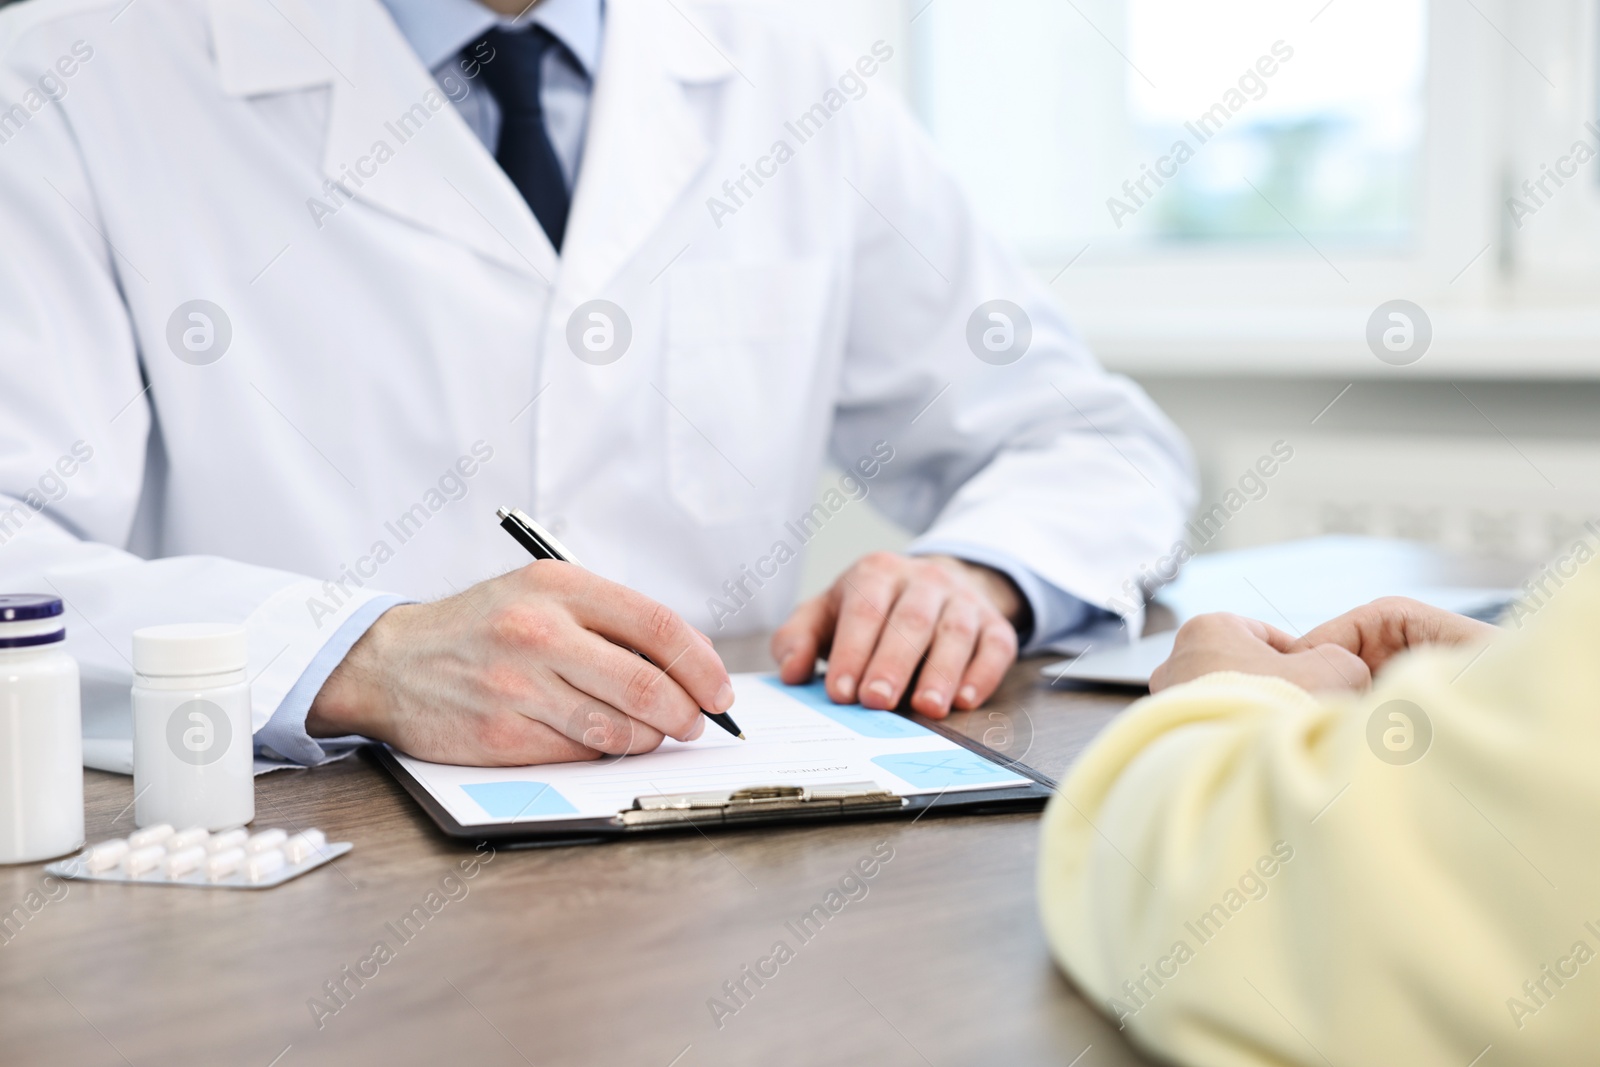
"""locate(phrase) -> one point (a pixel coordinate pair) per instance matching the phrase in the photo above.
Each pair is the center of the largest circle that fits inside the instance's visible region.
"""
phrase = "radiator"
(1517, 501)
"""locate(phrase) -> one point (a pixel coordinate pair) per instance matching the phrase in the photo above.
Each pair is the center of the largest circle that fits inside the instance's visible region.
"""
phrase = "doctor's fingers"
(997, 651)
(906, 637)
(634, 687)
(866, 593)
(510, 736)
(601, 728)
(632, 620)
(803, 637)
(955, 639)
(555, 722)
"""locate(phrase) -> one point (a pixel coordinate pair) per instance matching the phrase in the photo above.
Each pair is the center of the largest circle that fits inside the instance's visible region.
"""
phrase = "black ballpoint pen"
(541, 545)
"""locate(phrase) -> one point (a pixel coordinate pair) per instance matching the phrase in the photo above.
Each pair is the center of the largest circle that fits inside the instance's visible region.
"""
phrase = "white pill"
(222, 864)
(187, 839)
(150, 835)
(182, 862)
(143, 860)
(227, 839)
(305, 845)
(266, 839)
(262, 864)
(105, 855)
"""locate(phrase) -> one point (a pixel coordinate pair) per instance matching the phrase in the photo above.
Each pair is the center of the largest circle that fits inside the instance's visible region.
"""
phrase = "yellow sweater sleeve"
(1243, 874)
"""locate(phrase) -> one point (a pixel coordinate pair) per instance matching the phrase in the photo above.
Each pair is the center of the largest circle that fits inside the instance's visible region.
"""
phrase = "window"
(1323, 128)
(1300, 161)
(1064, 118)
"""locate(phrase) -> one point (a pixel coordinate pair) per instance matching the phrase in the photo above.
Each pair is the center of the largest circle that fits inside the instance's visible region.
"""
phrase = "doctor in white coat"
(294, 293)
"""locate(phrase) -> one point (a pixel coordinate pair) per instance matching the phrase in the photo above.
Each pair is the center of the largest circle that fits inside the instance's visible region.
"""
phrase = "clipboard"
(751, 802)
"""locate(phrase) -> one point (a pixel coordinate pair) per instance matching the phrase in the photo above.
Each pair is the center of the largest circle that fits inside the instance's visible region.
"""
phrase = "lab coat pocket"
(742, 375)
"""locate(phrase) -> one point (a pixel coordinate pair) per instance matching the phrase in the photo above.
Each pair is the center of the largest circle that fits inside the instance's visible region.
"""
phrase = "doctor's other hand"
(890, 613)
(530, 667)
(1222, 642)
(1386, 627)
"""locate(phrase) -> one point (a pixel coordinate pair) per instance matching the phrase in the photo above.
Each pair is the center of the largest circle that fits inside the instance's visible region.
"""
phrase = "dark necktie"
(524, 151)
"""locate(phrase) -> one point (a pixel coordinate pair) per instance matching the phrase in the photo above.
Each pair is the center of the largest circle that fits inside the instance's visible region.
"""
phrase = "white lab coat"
(381, 352)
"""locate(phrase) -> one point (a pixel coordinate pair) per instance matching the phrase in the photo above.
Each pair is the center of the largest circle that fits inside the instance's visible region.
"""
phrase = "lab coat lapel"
(262, 49)
(645, 140)
(394, 141)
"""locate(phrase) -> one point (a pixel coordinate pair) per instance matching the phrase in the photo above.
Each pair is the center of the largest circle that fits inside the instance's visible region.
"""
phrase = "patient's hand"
(1221, 642)
(1342, 653)
(1379, 631)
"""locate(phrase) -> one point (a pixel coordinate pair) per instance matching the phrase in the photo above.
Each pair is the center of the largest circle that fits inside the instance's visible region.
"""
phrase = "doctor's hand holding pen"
(534, 666)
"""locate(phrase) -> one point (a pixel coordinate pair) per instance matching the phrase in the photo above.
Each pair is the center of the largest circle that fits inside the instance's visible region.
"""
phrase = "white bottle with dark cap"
(41, 734)
(193, 750)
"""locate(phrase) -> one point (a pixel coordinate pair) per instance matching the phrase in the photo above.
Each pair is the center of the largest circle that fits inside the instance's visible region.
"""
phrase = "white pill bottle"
(193, 749)
(41, 733)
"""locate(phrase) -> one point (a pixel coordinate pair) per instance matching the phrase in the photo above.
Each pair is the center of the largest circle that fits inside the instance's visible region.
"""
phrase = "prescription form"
(796, 737)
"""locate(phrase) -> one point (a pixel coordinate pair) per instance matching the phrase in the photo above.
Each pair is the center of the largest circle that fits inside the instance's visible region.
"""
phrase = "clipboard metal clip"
(760, 803)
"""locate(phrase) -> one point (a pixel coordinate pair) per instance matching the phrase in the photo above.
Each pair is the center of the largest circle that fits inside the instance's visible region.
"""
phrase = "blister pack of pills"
(232, 859)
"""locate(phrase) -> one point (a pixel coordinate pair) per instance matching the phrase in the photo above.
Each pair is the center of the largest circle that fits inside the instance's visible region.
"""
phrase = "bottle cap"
(189, 649)
(30, 619)
(16, 607)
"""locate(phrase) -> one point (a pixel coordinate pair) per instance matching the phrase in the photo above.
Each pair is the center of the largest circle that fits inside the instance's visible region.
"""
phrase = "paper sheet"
(796, 736)
(1295, 586)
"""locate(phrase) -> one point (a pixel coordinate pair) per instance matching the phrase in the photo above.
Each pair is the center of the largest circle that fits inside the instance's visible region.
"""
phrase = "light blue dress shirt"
(438, 30)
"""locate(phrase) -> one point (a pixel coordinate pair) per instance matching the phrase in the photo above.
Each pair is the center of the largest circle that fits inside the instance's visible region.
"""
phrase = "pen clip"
(538, 536)
(759, 802)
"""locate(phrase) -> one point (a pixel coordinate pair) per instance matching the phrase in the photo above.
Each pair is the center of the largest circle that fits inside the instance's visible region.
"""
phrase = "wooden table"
(588, 955)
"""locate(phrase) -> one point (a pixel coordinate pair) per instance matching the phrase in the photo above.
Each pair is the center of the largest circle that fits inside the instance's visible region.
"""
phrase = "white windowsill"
(1331, 342)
